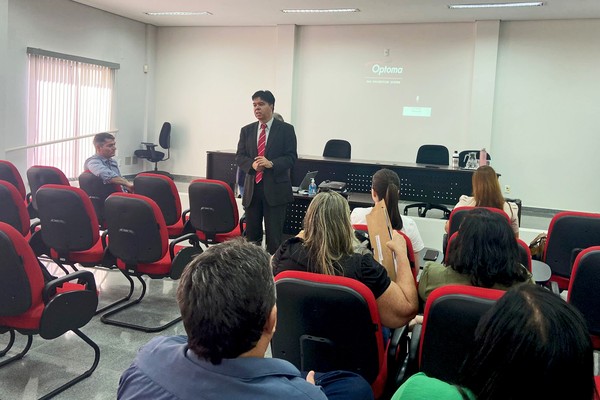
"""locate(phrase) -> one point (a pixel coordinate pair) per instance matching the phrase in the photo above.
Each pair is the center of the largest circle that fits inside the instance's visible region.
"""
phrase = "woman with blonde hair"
(487, 193)
(326, 246)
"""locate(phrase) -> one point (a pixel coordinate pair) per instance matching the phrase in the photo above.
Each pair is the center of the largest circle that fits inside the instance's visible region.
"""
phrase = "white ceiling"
(268, 12)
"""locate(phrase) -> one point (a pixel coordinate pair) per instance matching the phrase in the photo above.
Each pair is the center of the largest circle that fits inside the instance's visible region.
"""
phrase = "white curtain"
(67, 99)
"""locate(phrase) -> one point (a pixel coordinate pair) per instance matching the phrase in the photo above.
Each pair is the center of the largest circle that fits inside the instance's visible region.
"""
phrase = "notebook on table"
(305, 182)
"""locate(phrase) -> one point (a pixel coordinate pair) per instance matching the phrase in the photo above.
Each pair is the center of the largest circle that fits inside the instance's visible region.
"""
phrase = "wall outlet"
(506, 188)
(127, 160)
(134, 160)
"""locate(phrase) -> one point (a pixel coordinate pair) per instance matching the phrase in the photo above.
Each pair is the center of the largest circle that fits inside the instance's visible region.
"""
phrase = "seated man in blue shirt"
(227, 300)
(102, 163)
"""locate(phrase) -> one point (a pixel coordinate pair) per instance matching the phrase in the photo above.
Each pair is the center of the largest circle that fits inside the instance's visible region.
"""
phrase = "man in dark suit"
(267, 162)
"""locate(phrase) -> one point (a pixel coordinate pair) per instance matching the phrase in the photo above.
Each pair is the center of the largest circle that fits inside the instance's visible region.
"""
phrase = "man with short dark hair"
(102, 163)
(266, 152)
(227, 300)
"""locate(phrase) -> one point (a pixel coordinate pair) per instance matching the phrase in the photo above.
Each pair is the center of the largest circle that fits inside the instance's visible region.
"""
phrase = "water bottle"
(455, 160)
(482, 157)
(312, 188)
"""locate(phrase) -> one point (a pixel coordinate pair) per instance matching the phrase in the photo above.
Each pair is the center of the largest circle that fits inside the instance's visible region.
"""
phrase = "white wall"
(547, 113)
(71, 28)
(205, 81)
(527, 91)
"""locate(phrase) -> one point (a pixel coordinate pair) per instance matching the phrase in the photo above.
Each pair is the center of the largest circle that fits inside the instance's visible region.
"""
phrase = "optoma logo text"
(380, 70)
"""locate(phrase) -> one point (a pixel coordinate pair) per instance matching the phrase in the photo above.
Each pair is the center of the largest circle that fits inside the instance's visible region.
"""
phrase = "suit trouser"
(274, 217)
(343, 385)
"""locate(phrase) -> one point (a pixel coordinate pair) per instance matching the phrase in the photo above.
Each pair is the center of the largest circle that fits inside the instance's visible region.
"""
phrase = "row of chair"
(131, 235)
(332, 322)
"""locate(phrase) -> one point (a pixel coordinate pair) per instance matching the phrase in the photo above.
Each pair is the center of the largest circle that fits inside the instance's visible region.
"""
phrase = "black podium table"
(418, 182)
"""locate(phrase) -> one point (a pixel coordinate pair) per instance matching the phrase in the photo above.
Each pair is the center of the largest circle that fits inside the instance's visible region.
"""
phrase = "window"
(70, 98)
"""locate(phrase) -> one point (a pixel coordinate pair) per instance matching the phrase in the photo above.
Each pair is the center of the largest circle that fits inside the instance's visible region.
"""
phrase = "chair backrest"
(68, 218)
(327, 323)
(213, 208)
(39, 175)
(9, 173)
(97, 191)
(458, 214)
(451, 315)
(13, 210)
(569, 233)
(164, 139)
(409, 248)
(456, 217)
(435, 154)
(462, 157)
(163, 191)
(337, 148)
(22, 281)
(137, 232)
(584, 287)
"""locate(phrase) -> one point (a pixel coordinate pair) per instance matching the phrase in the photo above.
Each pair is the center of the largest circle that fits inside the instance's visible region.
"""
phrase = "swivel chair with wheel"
(431, 154)
(155, 156)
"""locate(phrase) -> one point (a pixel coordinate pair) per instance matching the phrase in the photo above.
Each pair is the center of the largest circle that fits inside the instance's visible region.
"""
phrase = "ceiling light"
(178, 13)
(322, 10)
(498, 5)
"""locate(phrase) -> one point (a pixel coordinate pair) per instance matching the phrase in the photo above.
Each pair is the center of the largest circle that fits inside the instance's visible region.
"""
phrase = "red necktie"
(262, 138)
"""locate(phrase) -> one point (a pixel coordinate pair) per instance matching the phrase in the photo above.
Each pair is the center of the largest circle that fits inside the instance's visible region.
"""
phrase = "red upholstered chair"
(438, 346)
(97, 191)
(213, 211)
(13, 210)
(414, 266)
(9, 173)
(163, 191)
(328, 323)
(30, 306)
(584, 286)
(456, 217)
(138, 237)
(69, 226)
(38, 176)
(569, 233)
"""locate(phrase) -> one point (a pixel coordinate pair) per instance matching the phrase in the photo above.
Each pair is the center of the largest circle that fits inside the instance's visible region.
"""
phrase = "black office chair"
(152, 155)
(462, 157)
(431, 154)
(337, 148)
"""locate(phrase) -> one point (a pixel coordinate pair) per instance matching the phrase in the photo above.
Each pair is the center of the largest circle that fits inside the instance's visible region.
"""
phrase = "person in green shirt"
(485, 253)
(530, 345)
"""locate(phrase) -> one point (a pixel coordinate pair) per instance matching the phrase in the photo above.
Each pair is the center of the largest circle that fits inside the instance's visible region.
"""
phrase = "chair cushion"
(220, 237)
(91, 256)
(176, 229)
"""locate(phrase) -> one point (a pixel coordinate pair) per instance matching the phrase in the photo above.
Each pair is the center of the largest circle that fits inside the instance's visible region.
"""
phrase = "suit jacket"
(280, 149)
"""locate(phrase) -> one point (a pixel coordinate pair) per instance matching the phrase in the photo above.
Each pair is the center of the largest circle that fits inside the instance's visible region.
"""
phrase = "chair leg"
(111, 305)
(11, 341)
(21, 354)
(143, 328)
(86, 374)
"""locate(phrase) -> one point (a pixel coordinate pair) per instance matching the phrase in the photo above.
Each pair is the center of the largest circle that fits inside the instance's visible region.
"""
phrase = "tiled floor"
(50, 363)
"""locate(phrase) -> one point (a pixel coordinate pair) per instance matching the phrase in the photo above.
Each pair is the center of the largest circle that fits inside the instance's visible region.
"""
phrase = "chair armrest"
(34, 226)
(396, 356)
(411, 363)
(188, 236)
(83, 277)
(148, 144)
(243, 225)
